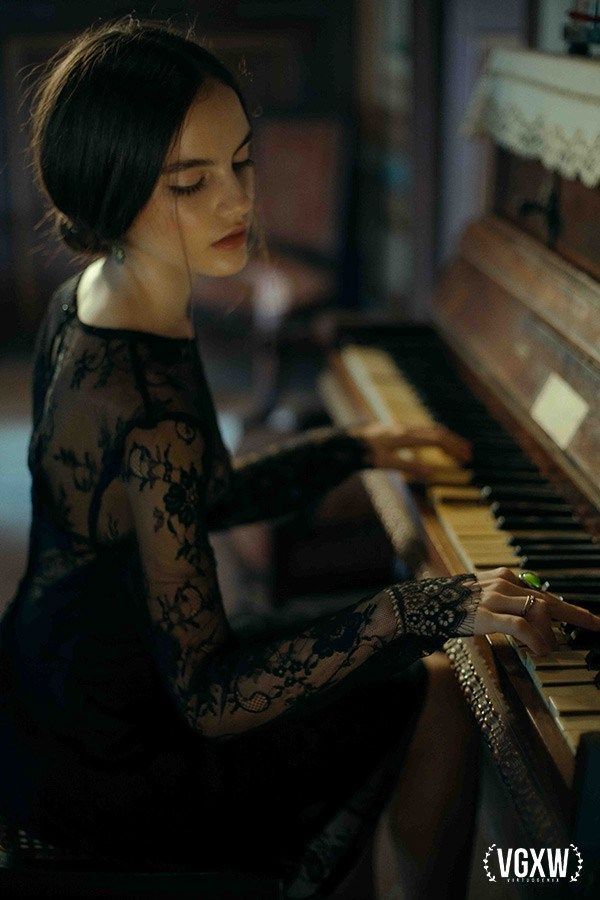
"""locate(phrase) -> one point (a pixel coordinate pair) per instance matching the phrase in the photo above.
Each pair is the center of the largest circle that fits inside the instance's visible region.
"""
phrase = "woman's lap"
(258, 797)
(280, 785)
(253, 800)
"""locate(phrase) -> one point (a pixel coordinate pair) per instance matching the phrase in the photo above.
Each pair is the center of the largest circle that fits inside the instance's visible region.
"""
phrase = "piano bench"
(32, 867)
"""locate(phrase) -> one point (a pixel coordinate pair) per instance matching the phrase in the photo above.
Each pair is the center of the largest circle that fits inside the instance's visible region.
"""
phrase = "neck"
(155, 294)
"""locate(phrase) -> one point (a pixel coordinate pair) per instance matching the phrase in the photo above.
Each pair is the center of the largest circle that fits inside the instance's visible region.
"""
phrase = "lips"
(241, 230)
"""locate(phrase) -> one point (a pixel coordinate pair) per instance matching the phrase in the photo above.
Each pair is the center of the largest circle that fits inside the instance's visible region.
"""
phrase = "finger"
(436, 436)
(514, 588)
(416, 472)
(559, 608)
(405, 462)
(505, 574)
(523, 631)
(538, 615)
(574, 615)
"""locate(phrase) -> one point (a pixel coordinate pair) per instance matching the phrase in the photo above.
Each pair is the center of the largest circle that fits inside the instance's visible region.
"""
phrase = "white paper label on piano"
(559, 410)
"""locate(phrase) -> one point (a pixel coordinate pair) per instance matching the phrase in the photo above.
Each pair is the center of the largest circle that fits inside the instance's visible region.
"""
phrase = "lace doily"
(541, 106)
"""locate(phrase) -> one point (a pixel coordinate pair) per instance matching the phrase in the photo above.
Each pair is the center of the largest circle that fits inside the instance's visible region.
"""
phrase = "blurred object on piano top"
(582, 29)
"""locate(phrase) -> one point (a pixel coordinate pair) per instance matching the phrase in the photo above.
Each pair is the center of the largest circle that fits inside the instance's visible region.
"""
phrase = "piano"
(511, 361)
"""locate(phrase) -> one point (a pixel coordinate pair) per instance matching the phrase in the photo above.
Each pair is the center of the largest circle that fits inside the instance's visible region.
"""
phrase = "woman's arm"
(287, 476)
(290, 475)
(220, 687)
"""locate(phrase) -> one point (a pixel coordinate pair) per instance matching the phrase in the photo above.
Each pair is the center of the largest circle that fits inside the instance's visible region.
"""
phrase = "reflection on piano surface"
(512, 364)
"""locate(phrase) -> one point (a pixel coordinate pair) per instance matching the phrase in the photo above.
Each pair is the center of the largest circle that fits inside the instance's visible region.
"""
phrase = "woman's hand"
(503, 598)
(385, 444)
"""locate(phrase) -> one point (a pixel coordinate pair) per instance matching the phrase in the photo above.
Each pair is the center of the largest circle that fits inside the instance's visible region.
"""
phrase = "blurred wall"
(468, 26)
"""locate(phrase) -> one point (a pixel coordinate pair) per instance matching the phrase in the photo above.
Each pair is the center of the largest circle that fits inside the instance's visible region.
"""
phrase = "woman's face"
(197, 204)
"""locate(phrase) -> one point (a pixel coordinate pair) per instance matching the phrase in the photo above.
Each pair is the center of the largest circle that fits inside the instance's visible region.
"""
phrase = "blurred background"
(365, 178)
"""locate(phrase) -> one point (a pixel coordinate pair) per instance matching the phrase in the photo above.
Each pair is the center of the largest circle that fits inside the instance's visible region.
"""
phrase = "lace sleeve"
(220, 687)
(287, 476)
(437, 608)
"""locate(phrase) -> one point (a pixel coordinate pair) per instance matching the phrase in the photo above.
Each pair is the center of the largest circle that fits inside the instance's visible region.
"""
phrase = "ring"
(530, 600)
(531, 579)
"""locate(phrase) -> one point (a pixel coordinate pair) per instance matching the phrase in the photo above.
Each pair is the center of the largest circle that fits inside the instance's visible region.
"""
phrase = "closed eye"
(192, 188)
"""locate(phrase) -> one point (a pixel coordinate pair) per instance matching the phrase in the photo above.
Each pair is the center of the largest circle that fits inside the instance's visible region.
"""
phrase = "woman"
(136, 723)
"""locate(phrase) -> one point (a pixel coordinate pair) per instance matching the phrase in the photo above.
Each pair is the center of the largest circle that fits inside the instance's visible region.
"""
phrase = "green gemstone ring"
(531, 580)
(534, 581)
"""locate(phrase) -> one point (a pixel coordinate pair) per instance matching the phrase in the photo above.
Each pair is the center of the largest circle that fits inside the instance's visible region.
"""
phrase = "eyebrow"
(182, 164)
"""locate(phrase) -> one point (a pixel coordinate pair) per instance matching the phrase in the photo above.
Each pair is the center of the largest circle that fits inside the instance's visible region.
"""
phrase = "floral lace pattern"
(129, 474)
(437, 607)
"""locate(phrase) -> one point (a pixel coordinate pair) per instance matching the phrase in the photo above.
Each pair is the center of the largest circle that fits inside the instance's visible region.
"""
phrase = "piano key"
(530, 508)
(560, 560)
(520, 507)
(507, 465)
(531, 492)
(563, 658)
(514, 523)
(572, 699)
(572, 727)
(587, 584)
(582, 599)
(489, 477)
(539, 528)
(560, 548)
(556, 677)
(580, 638)
(490, 559)
(577, 537)
(592, 659)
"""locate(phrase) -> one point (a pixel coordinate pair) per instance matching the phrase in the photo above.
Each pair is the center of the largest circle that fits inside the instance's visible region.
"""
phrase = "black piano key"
(560, 561)
(582, 638)
(531, 494)
(535, 523)
(587, 584)
(494, 442)
(503, 462)
(560, 548)
(520, 507)
(592, 659)
(496, 477)
(525, 541)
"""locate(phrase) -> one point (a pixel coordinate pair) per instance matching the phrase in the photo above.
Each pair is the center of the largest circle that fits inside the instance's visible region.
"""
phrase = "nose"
(238, 196)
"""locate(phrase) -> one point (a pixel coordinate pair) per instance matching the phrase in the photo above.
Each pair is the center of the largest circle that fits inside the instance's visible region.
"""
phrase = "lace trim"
(436, 607)
(573, 155)
(542, 107)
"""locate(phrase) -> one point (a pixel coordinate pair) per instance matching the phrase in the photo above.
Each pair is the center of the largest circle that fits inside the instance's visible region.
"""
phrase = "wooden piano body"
(521, 326)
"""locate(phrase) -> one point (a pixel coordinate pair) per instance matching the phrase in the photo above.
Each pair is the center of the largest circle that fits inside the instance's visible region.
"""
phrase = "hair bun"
(80, 238)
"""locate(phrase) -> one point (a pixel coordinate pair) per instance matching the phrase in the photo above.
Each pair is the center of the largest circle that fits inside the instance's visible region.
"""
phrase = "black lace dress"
(134, 722)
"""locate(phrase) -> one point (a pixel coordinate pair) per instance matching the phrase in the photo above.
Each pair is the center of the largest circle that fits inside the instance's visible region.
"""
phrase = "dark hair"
(105, 111)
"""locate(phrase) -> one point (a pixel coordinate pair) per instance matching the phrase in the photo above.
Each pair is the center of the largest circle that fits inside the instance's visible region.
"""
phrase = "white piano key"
(575, 699)
(572, 727)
